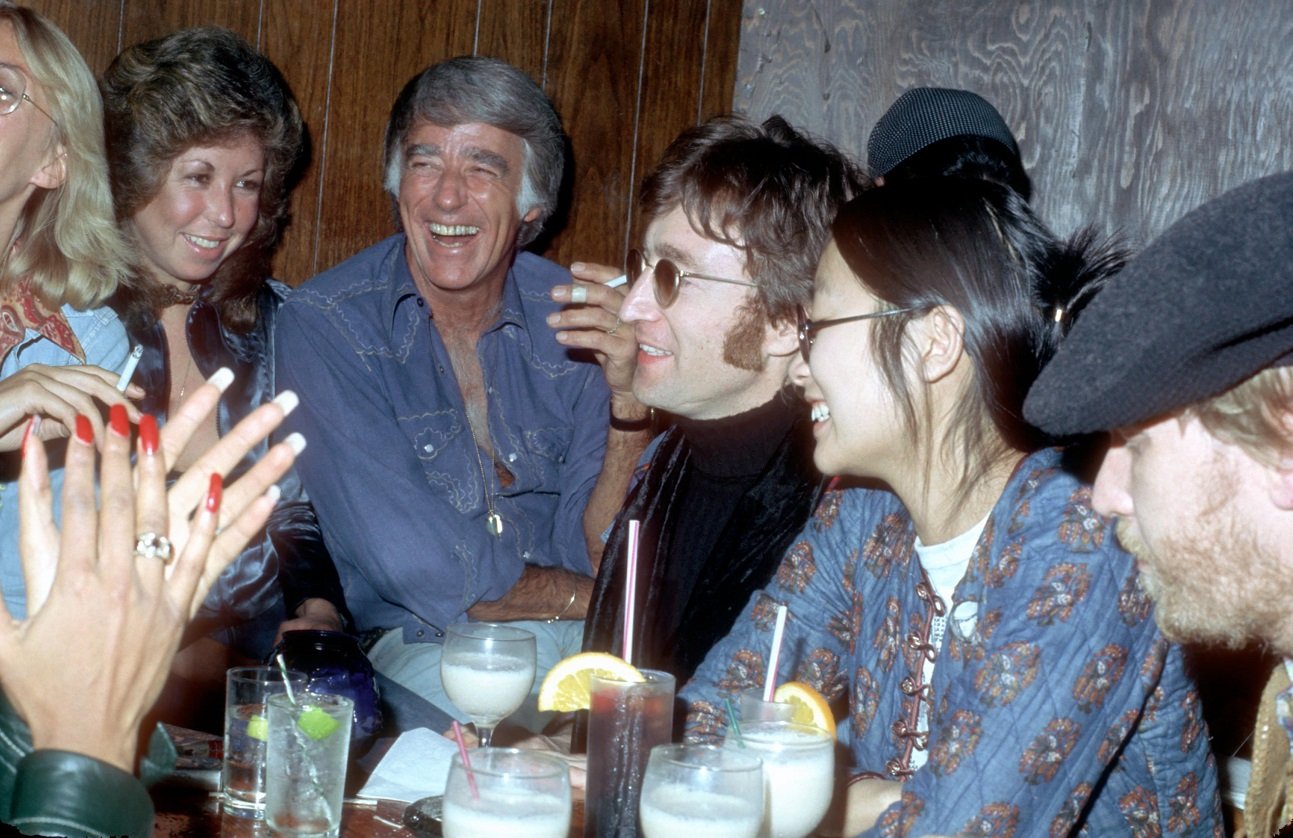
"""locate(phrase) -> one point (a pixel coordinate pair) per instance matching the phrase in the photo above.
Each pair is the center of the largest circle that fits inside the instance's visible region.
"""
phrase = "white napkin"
(416, 766)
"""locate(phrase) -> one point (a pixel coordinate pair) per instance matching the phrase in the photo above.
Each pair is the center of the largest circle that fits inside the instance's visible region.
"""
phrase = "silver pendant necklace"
(493, 520)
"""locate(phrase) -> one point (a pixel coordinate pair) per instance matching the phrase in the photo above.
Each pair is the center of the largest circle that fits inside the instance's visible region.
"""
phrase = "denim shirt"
(103, 339)
(391, 465)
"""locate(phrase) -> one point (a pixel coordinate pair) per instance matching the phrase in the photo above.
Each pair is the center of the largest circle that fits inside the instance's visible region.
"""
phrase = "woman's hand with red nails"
(104, 621)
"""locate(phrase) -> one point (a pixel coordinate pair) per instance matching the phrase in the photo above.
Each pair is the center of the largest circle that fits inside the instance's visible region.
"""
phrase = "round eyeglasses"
(13, 90)
(808, 329)
(666, 277)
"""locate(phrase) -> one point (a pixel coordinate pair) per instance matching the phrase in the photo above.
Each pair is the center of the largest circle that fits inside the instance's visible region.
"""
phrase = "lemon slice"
(566, 686)
(810, 705)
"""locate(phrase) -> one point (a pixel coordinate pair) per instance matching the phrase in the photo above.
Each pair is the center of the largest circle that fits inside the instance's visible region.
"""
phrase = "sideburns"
(743, 343)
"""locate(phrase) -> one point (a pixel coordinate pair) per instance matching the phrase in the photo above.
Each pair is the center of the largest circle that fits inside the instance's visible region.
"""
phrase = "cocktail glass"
(798, 773)
(305, 769)
(487, 670)
(625, 721)
(246, 729)
(512, 792)
(701, 790)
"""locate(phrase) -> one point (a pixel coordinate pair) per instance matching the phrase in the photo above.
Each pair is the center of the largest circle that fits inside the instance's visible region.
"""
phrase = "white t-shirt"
(944, 564)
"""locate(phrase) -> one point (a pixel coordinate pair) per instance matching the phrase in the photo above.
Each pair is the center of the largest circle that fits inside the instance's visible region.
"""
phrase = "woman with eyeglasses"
(61, 256)
(1002, 670)
(205, 142)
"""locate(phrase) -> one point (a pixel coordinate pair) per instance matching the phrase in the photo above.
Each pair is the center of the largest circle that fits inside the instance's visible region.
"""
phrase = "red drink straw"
(778, 631)
(466, 760)
(630, 590)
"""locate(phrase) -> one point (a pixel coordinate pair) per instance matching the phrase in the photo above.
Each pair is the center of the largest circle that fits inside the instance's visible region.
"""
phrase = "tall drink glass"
(702, 790)
(520, 794)
(625, 721)
(305, 769)
(798, 773)
(246, 727)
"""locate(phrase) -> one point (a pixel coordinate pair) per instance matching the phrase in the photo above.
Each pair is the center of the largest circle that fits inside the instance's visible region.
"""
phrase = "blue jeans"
(416, 666)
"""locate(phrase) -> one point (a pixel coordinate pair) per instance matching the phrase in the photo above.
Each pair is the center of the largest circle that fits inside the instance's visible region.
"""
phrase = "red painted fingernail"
(148, 434)
(84, 430)
(214, 492)
(118, 421)
(26, 435)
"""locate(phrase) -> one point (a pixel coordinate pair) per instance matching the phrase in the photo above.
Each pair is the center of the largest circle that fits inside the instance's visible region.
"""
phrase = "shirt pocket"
(442, 445)
(547, 449)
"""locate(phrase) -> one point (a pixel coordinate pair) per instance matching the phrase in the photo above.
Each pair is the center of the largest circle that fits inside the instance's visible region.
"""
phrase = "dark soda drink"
(625, 721)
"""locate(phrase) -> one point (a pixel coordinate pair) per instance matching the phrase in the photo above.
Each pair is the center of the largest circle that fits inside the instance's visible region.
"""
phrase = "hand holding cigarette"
(591, 321)
(58, 394)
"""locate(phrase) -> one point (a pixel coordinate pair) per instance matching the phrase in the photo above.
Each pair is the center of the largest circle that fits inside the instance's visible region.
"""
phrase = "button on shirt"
(391, 465)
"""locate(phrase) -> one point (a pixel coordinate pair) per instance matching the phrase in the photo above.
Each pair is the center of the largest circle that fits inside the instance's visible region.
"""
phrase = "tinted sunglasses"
(666, 277)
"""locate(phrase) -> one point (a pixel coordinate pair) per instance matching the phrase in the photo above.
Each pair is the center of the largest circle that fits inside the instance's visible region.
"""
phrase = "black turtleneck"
(727, 456)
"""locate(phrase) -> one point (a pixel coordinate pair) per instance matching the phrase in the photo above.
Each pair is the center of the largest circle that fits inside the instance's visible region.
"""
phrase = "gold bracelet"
(574, 590)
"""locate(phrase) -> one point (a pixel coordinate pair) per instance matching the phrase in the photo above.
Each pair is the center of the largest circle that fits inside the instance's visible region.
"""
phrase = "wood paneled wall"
(625, 76)
(1128, 113)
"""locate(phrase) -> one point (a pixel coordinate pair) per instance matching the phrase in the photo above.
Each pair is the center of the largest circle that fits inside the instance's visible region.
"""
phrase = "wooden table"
(197, 813)
(194, 812)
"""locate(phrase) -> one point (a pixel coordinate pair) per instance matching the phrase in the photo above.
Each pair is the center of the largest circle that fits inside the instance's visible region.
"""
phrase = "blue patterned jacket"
(1056, 707)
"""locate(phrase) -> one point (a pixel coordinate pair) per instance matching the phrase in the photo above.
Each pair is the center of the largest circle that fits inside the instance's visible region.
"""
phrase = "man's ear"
(531, 214)
(939, 337)
(54, 172)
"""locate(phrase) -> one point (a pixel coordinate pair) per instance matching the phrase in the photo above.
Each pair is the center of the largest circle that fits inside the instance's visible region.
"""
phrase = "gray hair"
(473, 88)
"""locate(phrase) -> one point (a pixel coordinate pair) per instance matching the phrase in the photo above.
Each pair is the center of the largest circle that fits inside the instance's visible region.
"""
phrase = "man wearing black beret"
(1187, 358)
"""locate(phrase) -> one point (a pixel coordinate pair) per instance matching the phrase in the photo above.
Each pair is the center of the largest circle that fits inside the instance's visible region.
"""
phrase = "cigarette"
(133, 361)
(617, 281)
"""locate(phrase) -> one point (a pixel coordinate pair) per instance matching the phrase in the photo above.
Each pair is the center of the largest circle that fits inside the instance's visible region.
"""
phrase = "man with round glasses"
(455, 444)
(737, 215)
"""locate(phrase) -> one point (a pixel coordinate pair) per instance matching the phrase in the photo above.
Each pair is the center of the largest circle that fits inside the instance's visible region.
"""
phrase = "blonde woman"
(61, 351)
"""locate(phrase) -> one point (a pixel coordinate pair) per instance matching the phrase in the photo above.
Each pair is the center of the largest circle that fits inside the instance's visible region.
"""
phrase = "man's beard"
(1213, 582)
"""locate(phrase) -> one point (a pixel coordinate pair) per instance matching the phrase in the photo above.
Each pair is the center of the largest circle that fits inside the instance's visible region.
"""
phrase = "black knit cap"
(1204, 307)
(925, 115)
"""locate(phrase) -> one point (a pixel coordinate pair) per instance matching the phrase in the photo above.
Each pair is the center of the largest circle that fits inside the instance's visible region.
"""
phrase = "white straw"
(778, 631)
(287, 682)
(630, 589)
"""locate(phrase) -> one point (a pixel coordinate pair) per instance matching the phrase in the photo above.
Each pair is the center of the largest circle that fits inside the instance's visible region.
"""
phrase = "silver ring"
(612, 330)
(150, 545)
(578, 293)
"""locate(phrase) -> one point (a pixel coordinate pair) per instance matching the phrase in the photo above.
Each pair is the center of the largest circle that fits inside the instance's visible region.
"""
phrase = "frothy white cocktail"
(673, 810)
(486, 686)
(799, 775)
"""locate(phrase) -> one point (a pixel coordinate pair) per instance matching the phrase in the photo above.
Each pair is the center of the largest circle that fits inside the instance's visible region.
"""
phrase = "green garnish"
(316, 723)
(258, 728)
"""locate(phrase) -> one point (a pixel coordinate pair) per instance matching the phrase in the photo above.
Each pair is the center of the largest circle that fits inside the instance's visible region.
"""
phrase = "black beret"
(1204, 307)
(926, 115)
